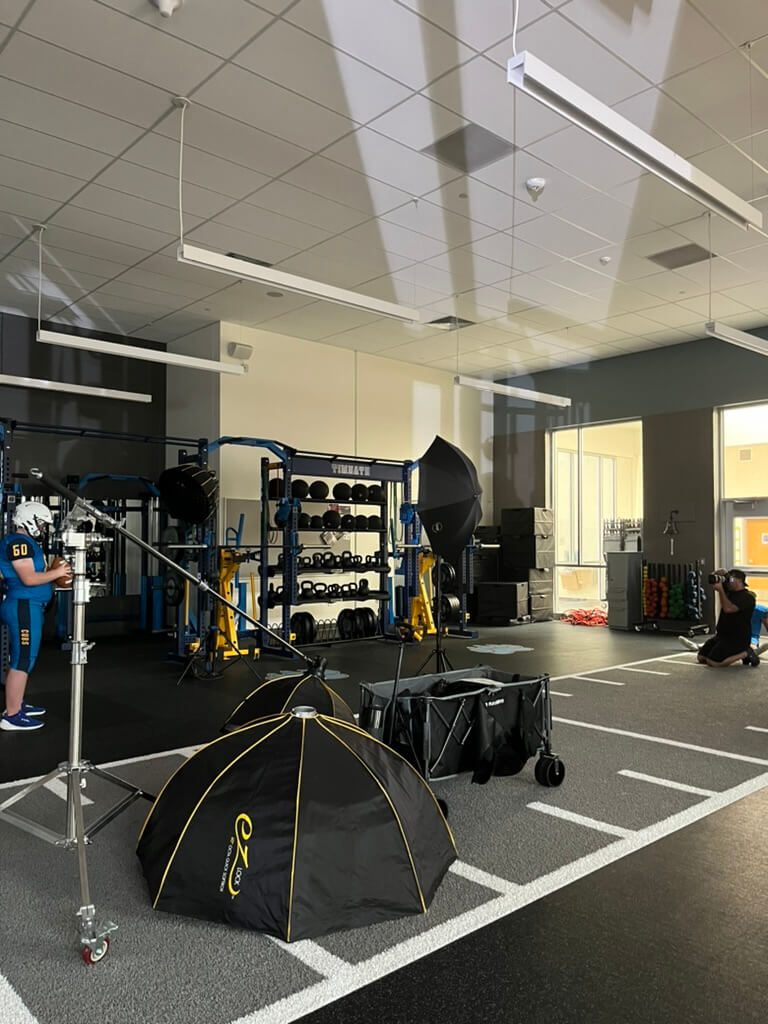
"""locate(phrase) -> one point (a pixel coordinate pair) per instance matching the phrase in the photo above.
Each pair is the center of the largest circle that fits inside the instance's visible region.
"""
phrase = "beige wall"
(327, 399)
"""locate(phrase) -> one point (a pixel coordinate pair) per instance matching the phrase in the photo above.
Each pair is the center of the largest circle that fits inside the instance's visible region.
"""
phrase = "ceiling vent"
(469, 149)
(450, 323)
(249, 259)
(745, 454)
(682, 256)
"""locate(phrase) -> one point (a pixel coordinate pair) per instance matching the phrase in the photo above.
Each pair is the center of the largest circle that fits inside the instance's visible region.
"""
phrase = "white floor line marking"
(690, 659)
(354, 977)
(558, 693)
(665, 742)
(473, 874)
(12, 1009)
(625, 664)
(59, 788)
(645, 671)
(755, 728)
(591, 679)
(313, 956)
(580, 819)
(180, 751)
(667, 783)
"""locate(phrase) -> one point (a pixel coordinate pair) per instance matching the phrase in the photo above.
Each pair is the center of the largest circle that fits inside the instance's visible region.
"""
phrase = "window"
(596, 476)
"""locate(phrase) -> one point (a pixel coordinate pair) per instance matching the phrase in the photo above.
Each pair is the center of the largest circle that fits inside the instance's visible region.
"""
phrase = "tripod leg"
(94, 940)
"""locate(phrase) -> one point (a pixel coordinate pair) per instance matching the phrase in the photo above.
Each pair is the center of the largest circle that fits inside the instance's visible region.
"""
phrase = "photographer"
(733, 636)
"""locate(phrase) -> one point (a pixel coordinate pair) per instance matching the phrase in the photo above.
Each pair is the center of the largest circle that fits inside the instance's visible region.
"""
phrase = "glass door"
(744, 541)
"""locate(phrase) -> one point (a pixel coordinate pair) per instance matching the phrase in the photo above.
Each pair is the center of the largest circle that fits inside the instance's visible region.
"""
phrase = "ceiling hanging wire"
(181, 103)
(40, 228)
(515, 19)
(709, 246)
(748, 47)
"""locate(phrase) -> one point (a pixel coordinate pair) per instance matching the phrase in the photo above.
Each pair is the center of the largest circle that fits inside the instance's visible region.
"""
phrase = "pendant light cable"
(40, 230)
(515, 19)
(181, 103)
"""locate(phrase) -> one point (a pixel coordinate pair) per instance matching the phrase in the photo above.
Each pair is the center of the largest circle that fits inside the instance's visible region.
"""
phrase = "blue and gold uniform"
(23, 609)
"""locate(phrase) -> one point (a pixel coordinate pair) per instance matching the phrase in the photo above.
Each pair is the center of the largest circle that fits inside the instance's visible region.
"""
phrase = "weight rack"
(666, 575)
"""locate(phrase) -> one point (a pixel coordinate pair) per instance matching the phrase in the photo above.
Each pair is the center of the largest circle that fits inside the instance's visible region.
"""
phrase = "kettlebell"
(318, 490)
(317, 559)
(279, 592)
(357, 559)
(359, 492)
(333, 590)
(305, 561)
(329, 560)
(307, 588)
(280, 560)
(346, 558)
(372, 560)
(363, 588)
(320, 589)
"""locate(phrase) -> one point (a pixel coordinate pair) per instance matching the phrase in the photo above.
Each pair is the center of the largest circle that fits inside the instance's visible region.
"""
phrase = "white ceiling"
(303, 145)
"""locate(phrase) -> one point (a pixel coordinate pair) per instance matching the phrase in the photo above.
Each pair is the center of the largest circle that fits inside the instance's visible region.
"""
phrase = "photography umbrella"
(278, 695)
(296, 825)
(449, 509)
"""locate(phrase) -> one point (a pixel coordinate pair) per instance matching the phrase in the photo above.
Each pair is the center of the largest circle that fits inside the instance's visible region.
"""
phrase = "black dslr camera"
(716, 577)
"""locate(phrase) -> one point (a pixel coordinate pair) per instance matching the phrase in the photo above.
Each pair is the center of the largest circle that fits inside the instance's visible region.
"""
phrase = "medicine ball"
(347, 522)
(318, 490)
(299, 489)
(361, 522)
(304, 521)
(374, 522)
(316, 523)
(375, 492)
(331, 520)
(275, 488)
(341, 492)
(359, 492)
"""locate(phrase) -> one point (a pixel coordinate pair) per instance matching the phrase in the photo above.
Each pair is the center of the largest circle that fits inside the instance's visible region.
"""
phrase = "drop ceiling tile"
(559, 236)
(345, 186)
(716, 92)
(754, 296)
(351, 263)
(54, 154)
(467, 269)
(143, 277)
(11, 10)
(418, 122)
(214, 133)
(662, 339)
(632, 323)
(7, 243)
(128, 300)
(274, 6)
(542, 293)
(479, 92)
(514, 253)
(226, 238)
(66, 280)
(318, 320)
(604, 216)
(378, 157)
(670, 286)
(658, 41)
(726, 237)
(439, 346)
(738, 22)
(672, 315)
(628, 345)
(101, 225)
(266, 224)
(383, 34)
(400, 287)
(587, 158)
(298, 203)
(220, 28)
(461, 306)
(317, 71)
(545, 323)
(562, 192)
(578, 277)
(590, 334)
(100, 34)
(725, 274)
(754, 260)
(746, 321)
(382, 335)
(71, 77)
(461, 20)
(427, 218)
(477, 201)
(202, 169)
(270, 108)
(37, 180)
(734, 170)
(141, 182)
(134, 211)
(485, 299)
(25, 207)
(89, 248)
(140, 293)
(626, 299)
(664, 119)
(564, 46)
(721, 304)
(384, 236)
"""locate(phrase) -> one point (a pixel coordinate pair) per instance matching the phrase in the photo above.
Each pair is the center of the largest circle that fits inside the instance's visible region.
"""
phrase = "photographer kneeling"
(733, 634)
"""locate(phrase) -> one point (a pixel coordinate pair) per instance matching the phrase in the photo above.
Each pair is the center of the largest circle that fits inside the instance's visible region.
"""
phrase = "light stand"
(94, 938)
(442, 662)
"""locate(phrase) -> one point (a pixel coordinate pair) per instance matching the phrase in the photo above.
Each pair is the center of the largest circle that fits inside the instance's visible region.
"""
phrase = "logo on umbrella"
(238, 844)
(437, 527)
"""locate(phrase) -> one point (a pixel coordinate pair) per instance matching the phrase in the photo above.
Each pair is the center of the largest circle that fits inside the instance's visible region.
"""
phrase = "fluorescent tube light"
(71, 389)
(537, 79)
(112, 348)
(511, 392)
(248, 271)
(734, 337)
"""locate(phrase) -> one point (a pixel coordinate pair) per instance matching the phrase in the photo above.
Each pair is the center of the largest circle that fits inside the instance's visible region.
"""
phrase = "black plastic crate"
(528, 552)
(527, 522)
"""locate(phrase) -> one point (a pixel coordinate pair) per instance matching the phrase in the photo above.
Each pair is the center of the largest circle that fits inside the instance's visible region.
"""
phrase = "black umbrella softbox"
(277, 696)
(296, 826)
(449, 499)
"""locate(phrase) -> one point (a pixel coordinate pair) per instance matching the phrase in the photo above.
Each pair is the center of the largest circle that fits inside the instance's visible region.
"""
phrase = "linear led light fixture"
(71, 389)
(543, 83)
(734, 337)
(248, 271)
(511, 392)
(112, 348)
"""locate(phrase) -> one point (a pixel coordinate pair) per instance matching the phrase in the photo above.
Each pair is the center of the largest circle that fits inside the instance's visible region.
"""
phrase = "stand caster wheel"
(90, 957)
(549, 771)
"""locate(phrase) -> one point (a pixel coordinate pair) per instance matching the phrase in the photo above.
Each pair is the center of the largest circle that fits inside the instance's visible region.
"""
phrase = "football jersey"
(14, 548)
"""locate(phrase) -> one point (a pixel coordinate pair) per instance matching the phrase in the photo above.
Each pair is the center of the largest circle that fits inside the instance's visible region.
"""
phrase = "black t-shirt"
(736, 627)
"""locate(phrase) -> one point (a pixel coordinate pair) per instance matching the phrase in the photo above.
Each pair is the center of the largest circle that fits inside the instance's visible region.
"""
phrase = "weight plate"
(173, 589)
(361, 622)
